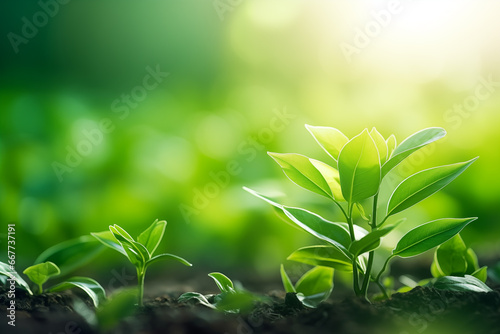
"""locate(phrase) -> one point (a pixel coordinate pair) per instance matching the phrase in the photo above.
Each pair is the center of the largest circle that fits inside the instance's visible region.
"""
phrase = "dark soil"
(422, 310)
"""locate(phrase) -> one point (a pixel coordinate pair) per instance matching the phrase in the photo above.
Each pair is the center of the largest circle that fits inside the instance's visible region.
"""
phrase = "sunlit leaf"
(330, 139)
(166, 256)
(107, 238)
(5, 269)
(287, 283)
(40, 273)
(391, 145)
(481, 274)
(379, 141)
(223, 282)
(301, 171)
(412, 144)
(370, 241)
(450, 257)
(359, 168)
(331, 176)
(429, 235)
(325, 256)
(423, 184)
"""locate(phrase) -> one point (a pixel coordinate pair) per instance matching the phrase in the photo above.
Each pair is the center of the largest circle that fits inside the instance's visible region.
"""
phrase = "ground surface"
(422, 310)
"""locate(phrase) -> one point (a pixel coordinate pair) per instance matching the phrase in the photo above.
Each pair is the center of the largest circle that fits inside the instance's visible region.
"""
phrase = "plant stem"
(341, 209)
(40, 289)
(373, 224)
(377, 279)
(140, 282)
(355, 276)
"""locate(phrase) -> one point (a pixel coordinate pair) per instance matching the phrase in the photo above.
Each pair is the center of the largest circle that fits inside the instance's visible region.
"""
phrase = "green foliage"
(231, 299)
(42, 272)
(140, 252)
(466, 283)
(314, 287)
(353, 176)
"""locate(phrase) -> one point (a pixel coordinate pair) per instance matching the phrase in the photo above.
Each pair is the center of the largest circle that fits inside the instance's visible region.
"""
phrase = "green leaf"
(166, 256)
(429, 235)
(410, 145)
(481, 274)
(359, 168)
(450, 257)
(333, 233)
(326, 256)
(379, 141)
(107, 239)
(391, 145)
(423, 184)
(331, 176)
(287, 283)
(152, 236)
(223, 282)
(136, 252)
(198, 296)
(90, 286)
(467, 283)
(330, 139)
(118, 306)
(301, 171)
(370, 241)
(361, 211)
(72, 254)
(316, 285)
(40, 273)
(472, 263)
(5, 269)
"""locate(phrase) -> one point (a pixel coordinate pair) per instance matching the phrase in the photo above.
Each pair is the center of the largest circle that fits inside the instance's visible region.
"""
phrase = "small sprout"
(140, 252)
(231, 299)
(42, 272)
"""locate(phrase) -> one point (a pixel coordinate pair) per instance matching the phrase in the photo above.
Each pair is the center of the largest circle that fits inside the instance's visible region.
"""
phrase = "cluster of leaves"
(231, 299)
(140, 252)
(353, 176)
(42, 272)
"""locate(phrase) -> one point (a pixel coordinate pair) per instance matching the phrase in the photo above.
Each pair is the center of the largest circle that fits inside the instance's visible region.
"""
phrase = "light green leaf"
(5, 269)
(333, 233)
(450, 257)
(107, 239)
(166, 256)
(370, 241)
(423, 184)
(136, 252)
(472, 263)
(467, 283)
(331, 176)
(71, 254)
(316, 285)
(359, 168)
(481, 274)
(152, 236)
(287, 283)
(379, 141)
(435, 270)
(40, 273)
(325, 256)
(410, 145)
(330, 139)
(299, 169)
(391, 145)
(118, 230)
(223, 282)
(361, 211)
(90, 286)
(198, 296)
(429, 235)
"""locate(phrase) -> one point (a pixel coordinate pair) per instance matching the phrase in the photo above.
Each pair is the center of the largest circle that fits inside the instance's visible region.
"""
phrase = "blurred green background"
(233, 80)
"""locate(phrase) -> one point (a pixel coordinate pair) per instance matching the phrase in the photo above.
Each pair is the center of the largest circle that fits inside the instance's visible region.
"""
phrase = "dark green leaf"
(467, 283)
(90, 286)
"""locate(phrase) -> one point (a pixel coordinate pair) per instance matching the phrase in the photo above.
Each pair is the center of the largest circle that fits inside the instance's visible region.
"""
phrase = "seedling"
(40, 273)
(140, 252)
(354, 175)
(231, 299)
(314, 287)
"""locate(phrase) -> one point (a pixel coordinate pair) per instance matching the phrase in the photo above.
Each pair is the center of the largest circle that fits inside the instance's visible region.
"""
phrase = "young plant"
(314, 287)
(140, 252)
(231, 299)
(353, 176)
(40, 273)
